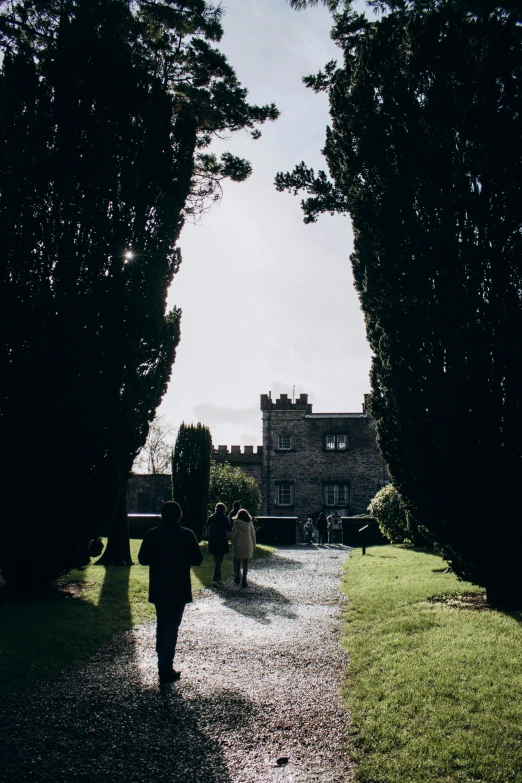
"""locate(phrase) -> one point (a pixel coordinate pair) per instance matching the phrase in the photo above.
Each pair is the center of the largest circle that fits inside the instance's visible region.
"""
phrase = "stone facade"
(315, 462)
(312, 462)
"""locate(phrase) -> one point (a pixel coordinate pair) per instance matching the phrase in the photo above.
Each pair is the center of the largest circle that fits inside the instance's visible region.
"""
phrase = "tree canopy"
(156, 454)
(424, 153)
(107, 108)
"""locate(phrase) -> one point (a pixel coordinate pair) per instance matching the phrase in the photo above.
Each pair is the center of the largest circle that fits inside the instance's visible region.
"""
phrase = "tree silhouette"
(424, 153)
(191, 474)
(106, 107)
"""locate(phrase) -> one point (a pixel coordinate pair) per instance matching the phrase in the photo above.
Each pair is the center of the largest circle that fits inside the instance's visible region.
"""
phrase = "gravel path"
(261, 670)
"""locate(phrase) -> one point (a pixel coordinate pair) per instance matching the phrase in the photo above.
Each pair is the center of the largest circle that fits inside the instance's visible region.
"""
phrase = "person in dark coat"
(233, 514)
(170, 550)
(218, 530)
(321, 526)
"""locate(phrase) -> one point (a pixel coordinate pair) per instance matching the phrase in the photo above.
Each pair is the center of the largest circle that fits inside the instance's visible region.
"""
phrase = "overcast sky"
(268, 302)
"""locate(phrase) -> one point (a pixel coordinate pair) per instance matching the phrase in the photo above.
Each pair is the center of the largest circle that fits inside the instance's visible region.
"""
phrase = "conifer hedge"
(424, 152)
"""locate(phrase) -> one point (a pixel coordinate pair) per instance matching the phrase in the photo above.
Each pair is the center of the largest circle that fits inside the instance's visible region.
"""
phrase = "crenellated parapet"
(248, 451)
(283, 403)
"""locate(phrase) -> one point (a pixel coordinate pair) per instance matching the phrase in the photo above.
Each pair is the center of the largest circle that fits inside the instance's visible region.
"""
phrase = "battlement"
(285, 404)
(248, 451)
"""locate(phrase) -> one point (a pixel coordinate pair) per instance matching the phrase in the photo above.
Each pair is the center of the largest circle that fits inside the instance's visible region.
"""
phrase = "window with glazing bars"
(330, 494)
(336, 495)
(284, 494)
(284, 442)
(330, 442)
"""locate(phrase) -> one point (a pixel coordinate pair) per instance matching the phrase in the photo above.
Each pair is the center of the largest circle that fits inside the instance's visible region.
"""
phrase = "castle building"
(311, 462)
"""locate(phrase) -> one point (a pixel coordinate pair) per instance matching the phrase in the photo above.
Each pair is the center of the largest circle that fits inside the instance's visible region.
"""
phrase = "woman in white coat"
(244, 541)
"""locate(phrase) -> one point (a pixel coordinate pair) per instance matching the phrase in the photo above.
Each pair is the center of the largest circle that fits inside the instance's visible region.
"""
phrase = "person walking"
(321, 526)
(244, 540)
(169, 550)
(309, 530)
(233, 514)
(218, 531)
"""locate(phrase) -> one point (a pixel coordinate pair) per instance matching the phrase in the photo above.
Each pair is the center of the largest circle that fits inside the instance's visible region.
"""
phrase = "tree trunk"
(504, 583)
(117, 552)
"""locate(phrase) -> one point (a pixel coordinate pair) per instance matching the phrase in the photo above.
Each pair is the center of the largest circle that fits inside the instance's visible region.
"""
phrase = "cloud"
(215, 414)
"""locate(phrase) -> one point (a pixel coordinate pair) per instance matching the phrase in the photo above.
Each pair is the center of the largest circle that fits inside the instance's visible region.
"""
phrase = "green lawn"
(40, 638)
(434, 689)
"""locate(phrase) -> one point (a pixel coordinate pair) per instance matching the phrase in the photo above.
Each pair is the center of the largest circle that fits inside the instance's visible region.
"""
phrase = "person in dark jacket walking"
(232, 516)
(321, 527)
(234, 512)
(218, 530)
(170, 550)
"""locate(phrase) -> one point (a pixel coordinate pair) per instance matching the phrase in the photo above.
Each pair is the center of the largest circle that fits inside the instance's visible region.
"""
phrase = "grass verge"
(434, 687)
(81, 612)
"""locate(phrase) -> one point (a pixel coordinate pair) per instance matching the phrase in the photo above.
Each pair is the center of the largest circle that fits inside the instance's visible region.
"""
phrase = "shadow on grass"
(114, 604)
(47, 634)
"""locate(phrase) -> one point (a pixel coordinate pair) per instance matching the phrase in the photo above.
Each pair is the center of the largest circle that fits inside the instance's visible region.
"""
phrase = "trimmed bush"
(389, 511)
(228, 484)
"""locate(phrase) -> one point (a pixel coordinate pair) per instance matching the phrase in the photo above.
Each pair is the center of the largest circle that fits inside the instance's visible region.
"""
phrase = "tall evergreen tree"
(424, 153)
(106, 107)
(191, 474)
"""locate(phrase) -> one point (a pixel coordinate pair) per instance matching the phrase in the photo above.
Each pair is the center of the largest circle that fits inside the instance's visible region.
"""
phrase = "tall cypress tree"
(106, 107)
(424, 153)
(191, 474)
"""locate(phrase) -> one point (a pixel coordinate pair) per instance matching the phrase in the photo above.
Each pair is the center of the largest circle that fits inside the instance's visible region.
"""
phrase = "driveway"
(258, 701)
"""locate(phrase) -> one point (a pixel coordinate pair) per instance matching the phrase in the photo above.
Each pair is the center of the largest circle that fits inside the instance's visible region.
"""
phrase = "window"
(336, 495)
(284, 442)
(336, 442)
(330, 495)
(285, 493)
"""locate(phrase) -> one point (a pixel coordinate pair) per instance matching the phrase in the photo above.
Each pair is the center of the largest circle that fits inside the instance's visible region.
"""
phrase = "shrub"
(228, 484)
(389, 511)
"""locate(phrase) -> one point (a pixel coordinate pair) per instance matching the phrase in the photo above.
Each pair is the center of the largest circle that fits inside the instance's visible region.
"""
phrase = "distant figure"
(170, 550)
(218, 531)
(321, 526)
(233, 514)
(309, 530)
(330, 528)
(244, 540)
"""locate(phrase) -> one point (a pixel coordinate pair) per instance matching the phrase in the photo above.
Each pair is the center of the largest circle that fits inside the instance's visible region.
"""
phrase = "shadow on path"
(106, 725)
(257, 601)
